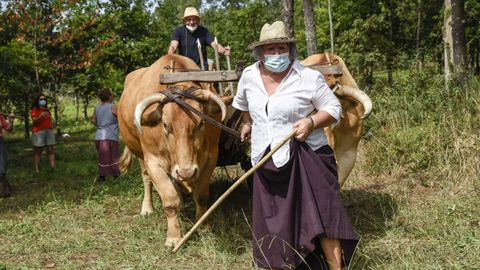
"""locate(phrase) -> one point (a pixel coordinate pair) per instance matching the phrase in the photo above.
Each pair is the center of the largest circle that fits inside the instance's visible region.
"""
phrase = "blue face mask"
(42, 103)
(277, 62)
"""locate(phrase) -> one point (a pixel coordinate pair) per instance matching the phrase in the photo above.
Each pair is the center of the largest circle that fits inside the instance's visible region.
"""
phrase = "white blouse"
(300, 92)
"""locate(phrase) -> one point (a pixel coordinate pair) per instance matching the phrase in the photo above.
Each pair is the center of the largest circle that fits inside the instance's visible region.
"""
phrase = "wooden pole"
(229, 67)
(328, 58)
(331, 25)
(172, 66)
(217, 65)
(232, 188)
(199, 46)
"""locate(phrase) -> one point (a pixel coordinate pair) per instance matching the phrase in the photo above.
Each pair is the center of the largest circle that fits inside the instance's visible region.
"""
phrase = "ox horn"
(154, 98)
(207, 95)
(356, 94)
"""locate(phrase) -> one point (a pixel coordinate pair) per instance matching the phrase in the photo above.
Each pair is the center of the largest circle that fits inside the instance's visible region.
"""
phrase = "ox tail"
(126, 160)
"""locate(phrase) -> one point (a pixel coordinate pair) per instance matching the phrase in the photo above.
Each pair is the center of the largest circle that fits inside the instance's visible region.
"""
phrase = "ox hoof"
(170, 243)
(146, 212)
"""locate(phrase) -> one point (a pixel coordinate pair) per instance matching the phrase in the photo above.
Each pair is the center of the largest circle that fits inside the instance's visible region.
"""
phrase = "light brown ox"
(356, 105)
(177, 149)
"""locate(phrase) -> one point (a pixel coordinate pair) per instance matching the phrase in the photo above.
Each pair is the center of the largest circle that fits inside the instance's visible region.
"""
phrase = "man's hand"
(227, 51)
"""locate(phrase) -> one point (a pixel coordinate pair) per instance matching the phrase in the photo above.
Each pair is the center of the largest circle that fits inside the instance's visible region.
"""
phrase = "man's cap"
(272, 33)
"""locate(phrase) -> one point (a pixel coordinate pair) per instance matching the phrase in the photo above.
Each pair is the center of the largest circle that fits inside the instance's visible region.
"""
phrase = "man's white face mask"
(191, 28)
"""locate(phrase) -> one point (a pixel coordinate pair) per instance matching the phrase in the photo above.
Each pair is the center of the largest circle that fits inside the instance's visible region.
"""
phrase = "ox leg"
(171, 200)
(147, 207)
(200, 197)
(201, 192)
(345, 161)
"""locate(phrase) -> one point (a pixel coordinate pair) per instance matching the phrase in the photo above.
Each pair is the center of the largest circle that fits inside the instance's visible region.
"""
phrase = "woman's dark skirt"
(294, 206)
(108, 156)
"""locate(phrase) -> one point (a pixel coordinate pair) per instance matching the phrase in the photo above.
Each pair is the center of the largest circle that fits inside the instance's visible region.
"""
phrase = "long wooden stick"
(217, 65)
(229, 67)
(199, 46)
(232, 188)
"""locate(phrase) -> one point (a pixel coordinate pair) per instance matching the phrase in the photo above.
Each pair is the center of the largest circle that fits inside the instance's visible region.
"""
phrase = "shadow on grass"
(369, 210)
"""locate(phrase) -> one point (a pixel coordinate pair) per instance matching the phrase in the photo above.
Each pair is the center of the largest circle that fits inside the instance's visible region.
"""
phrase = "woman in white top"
(297, 213)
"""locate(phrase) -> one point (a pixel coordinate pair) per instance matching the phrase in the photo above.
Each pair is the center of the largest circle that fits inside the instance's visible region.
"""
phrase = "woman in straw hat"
(185, 38)
(298, 218)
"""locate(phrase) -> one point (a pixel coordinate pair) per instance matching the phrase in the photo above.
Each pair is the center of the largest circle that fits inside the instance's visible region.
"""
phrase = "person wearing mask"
(106, 136)
(298, 217)
(5, 124)
(185, 38)
(43, 134)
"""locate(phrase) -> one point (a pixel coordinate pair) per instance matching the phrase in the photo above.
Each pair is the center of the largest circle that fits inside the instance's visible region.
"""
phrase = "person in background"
(43, 134)
(298, 217)
(185, 37)
(106, 136)
(5, 124)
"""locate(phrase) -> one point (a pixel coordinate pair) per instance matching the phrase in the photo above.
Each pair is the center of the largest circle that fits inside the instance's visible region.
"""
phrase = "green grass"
(413, 197)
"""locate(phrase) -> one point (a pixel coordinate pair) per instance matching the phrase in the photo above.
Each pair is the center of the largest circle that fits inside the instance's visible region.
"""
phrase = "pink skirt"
(108, 157)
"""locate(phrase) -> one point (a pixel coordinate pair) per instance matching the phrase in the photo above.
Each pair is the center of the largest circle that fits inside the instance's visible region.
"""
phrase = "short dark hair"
(36, 99)
(104, 95)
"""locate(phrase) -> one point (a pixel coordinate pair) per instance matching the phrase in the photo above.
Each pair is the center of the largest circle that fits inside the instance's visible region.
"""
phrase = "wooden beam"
(200, 76)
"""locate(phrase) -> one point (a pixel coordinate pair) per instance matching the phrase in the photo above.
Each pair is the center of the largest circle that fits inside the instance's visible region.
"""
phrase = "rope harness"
(175, 94)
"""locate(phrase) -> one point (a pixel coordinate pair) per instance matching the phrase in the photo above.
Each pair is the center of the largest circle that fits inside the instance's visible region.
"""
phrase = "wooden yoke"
(200, 76)
(232, 75)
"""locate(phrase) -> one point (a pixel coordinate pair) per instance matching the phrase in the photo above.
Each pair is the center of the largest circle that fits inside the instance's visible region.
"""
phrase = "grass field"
(413, 198)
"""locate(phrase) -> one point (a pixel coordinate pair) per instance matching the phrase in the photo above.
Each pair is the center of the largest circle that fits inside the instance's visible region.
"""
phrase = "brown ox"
(177, 150)
(356, 106)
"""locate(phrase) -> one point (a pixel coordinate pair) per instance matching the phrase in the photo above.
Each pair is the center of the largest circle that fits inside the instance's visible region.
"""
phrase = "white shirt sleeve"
(240, 100)
(325, 100)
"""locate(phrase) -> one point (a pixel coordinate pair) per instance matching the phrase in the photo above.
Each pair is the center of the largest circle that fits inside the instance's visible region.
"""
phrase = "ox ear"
(213, 108)
(153, 117)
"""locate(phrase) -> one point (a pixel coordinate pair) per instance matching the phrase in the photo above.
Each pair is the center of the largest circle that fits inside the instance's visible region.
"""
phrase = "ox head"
(184, 133)
(343, 83)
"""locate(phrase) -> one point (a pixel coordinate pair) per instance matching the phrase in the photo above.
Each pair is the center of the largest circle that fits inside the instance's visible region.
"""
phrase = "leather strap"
(175, 94)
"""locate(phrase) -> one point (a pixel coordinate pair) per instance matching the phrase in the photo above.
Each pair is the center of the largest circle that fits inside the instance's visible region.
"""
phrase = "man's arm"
(173, 46)
(221, 49)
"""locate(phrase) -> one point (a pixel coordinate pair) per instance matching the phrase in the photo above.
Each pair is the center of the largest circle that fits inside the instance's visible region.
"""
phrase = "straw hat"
(191, 11)
(272, 33)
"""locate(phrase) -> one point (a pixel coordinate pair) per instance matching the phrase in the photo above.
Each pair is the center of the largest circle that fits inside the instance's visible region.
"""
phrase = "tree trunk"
(26, 116)
(310, 33)
(35, 57)
(55, 109)
(448, 40)
(287, 13)
(419, 28)
(477, 59)
(459, 37)
(86, 101)
(330, 22)
(390, 39)
(77, 106)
